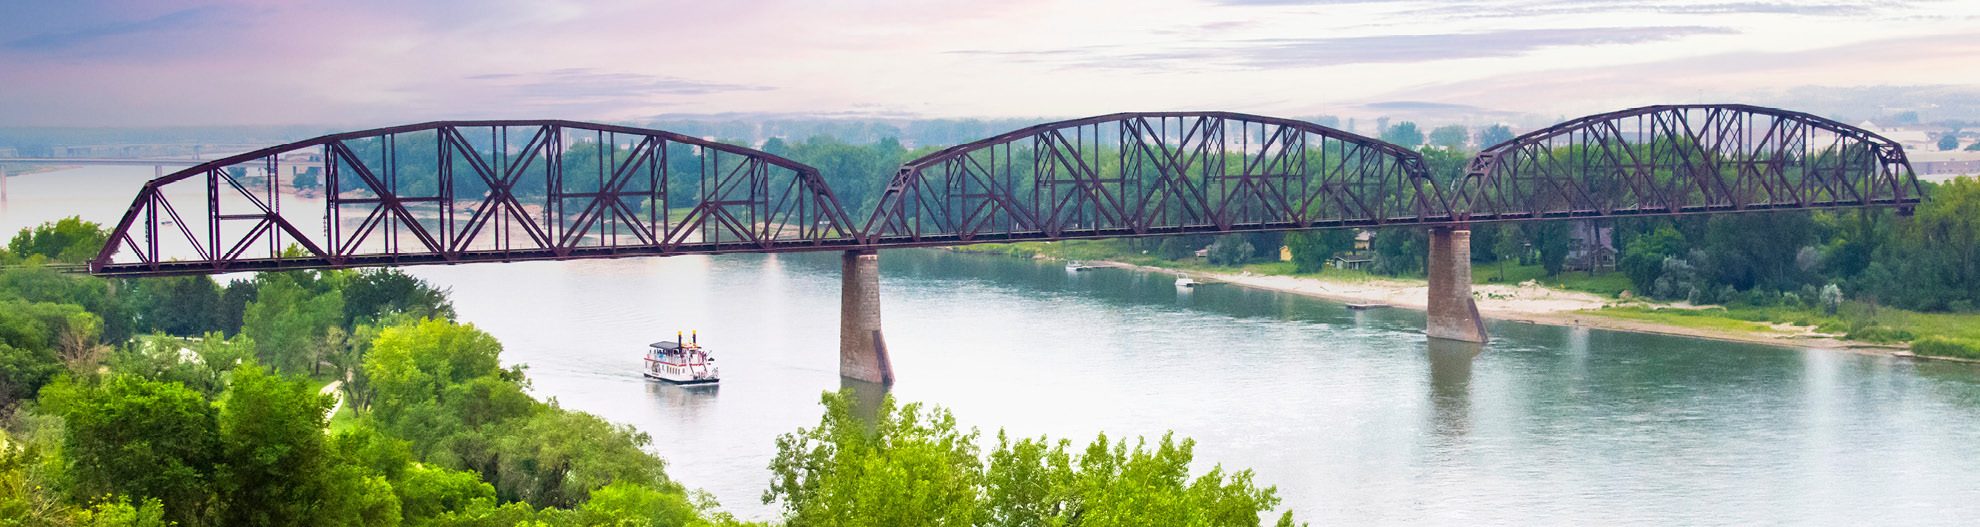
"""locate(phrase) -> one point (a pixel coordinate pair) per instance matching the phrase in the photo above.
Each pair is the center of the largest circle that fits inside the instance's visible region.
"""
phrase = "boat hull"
(684, 382)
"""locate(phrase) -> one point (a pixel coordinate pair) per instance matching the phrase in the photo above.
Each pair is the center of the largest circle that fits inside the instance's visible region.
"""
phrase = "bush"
(1937, 346)
(1879, 334)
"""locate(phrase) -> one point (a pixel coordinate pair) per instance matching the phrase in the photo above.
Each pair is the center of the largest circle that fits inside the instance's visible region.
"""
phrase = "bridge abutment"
(1453, 314)
(862, 349)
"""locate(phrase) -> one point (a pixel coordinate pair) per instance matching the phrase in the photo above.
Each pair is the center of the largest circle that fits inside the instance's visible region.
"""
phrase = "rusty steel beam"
(1686, 159)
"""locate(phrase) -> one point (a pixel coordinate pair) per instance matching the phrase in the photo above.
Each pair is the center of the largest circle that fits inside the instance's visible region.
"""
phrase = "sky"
(262, 62)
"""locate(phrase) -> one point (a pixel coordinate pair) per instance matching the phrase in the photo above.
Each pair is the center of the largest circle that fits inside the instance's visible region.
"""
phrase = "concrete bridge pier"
(862, 350)
(1453, 314)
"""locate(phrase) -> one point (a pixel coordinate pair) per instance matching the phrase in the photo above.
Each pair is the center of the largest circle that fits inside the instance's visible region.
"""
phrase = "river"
(1354, 415)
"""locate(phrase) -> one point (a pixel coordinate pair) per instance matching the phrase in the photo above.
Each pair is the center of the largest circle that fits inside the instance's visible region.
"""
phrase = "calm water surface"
(1353, 415)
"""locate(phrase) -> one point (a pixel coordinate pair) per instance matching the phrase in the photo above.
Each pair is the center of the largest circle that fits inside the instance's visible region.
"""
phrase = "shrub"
(1938, 346)
(1879, 334)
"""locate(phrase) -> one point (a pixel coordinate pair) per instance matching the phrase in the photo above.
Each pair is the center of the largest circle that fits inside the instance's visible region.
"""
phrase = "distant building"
(1352, 262)
(1591, 247)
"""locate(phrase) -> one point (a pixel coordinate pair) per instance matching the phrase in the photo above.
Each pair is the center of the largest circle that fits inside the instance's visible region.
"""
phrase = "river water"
(1354, 415)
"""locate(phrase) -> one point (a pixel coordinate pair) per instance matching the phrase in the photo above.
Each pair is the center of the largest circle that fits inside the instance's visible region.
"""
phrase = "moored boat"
(1184, 281)
(681, 361)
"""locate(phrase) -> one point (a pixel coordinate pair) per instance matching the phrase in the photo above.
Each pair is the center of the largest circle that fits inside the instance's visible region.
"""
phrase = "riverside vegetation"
(182, 401)
(1869, 275)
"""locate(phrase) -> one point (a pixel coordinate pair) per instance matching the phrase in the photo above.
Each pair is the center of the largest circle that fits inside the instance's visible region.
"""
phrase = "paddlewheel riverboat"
(681, 361)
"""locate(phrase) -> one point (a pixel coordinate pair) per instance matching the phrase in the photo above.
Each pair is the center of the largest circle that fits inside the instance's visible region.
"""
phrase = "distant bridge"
(486, 191)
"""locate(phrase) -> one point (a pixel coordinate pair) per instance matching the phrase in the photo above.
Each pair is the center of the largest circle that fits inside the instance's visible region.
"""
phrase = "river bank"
(1527, 303)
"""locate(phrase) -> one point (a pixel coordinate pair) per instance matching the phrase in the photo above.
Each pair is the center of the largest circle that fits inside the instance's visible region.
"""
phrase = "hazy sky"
(193, 62)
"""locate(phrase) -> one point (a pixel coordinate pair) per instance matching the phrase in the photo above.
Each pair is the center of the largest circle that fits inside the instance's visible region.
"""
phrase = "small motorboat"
(1365, 307)
(1077, 266)
(1186, 282)
(681, 361)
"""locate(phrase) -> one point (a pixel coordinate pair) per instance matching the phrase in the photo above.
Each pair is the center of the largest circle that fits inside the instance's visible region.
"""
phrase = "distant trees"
(68, 240)
(1948, 141)
(1403, 133)
(1311, 249)
(1454, 137)
(1493, 135)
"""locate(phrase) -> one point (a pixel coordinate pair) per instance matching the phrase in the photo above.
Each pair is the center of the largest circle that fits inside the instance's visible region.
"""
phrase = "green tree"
(1453, 136)
(31, 335)
(1948, 141)
(288, 321)
(1493, 135)
(371, 294)
(69, 240)
(910, 466)
(274, 463)
(1403, 133)
(1230, 249)
(557, 458)
(1553, 240)
(1311, 249)
(141, 439)
(179, 305)
(1037, 482)
(1643, 258)
(1400, 251)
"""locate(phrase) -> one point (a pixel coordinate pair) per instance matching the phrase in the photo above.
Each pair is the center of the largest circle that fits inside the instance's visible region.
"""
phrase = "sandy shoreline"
(1530, 304)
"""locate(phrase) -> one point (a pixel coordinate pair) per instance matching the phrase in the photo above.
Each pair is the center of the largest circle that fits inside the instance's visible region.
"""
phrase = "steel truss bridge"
(497, 191)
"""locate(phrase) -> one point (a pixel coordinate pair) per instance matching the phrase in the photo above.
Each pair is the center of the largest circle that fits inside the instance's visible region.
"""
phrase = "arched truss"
(1686, 159)
(1132, 174)
(451, 192)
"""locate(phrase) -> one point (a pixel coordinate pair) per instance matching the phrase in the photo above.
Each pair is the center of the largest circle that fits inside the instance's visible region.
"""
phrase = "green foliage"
(1180, 247)
(375, 293)
(1403, 133)
(274, 450)
(1400, 251)
(910, 465)
(201, 364)
(428, 493)
(1311, 249)
(288, 320)
(1948, 141)
(179, 305)
(1552, 240)
(30, 334)
(70, 240)
(142, 439)
(1493, 135)
(120, 513)
(1230, 249)
(1453, 136)
(1643, 258)
(556, 458)
(40, 284)
(1938, 346)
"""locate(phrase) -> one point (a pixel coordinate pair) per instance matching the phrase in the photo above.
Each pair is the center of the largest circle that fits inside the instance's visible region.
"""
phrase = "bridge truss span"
(1686, 159)
(467, 191)
(1134, 174)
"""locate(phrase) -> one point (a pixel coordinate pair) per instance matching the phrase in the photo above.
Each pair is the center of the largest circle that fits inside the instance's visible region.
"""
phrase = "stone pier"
(1453, 313)
(862, 350)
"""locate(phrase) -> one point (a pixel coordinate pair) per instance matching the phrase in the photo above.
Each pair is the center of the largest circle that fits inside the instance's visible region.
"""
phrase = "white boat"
(1077, 266)
(681, 362)
(1184, 281)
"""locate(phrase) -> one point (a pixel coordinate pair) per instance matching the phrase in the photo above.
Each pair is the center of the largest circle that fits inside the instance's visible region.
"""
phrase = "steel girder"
(465, 191)
(1136, 174)
(1686, 159)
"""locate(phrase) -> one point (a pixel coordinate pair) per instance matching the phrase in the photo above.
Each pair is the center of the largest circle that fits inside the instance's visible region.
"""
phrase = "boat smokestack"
(677, 337)
(696, 335)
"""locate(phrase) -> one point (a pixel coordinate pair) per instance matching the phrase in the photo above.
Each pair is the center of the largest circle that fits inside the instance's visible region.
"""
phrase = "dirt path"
(333, 391)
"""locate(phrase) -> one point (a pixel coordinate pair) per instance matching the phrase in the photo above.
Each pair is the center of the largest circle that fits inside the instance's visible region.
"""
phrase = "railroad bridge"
(498, 191)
